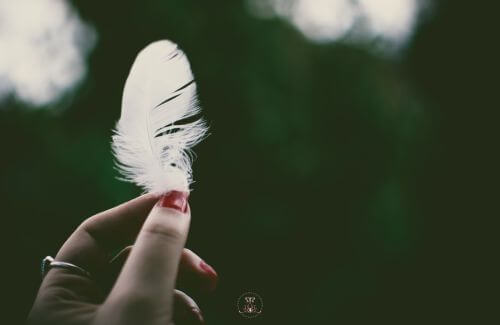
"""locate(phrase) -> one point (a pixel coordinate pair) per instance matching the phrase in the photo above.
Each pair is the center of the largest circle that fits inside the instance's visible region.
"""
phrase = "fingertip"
(195, 273)
(175, 200)
(210, 274)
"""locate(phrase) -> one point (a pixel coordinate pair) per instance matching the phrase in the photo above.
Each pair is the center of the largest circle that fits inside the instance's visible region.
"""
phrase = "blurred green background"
(344, 186)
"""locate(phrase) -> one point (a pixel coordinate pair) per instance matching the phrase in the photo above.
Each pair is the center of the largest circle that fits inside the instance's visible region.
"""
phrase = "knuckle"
(169, 233)
(88, 225)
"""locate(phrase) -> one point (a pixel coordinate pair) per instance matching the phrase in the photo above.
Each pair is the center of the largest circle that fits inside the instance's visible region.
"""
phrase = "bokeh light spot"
(43, 48)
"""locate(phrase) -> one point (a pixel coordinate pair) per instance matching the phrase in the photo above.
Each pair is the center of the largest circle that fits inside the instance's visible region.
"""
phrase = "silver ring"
(49, 262)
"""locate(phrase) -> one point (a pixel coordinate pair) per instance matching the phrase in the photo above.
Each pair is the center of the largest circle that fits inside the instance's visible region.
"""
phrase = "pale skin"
(136, 286)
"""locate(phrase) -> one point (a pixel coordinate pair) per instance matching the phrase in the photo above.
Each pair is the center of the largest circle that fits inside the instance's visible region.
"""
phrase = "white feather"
(151, 149)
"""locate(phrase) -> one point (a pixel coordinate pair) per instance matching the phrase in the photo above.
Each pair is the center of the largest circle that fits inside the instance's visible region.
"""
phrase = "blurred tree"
(329, 184)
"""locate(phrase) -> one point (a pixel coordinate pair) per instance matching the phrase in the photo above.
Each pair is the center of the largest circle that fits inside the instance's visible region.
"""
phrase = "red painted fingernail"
(210, 274)
(175, 200)
(208, 269)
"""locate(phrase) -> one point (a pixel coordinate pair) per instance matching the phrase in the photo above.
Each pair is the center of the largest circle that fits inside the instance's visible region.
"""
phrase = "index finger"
(94, 240)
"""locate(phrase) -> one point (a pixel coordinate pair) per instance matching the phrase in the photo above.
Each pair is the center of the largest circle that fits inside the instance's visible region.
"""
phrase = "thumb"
(149, 274)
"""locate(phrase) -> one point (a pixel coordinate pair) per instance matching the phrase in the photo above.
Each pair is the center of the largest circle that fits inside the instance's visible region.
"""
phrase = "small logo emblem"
(250, 305)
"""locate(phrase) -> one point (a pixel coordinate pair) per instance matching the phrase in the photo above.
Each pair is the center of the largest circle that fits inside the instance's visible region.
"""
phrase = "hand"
(137, 286)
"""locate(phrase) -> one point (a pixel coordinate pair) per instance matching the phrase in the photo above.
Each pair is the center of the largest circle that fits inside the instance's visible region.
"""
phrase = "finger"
(191, 275)
(89, 246)
(115, 267)
(186, 311)
(194, 274)
(149, 274)
(120, 225)
(119, 260)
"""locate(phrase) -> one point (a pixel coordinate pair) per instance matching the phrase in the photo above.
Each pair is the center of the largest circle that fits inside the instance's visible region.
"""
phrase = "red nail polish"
(207, 269)
(210, 274)
(175, 200)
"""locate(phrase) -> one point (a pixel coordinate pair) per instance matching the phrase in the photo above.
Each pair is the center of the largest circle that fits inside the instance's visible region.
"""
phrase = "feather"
(153, 138)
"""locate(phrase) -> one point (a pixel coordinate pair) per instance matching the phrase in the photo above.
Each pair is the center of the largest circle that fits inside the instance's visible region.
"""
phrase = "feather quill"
(153, 138)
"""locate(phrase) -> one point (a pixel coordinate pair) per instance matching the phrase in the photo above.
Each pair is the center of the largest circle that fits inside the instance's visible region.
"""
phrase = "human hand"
(137, 286)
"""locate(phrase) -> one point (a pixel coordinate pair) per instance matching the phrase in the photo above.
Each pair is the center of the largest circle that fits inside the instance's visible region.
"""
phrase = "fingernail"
(197, 316)
(207, 269)
(175, 200)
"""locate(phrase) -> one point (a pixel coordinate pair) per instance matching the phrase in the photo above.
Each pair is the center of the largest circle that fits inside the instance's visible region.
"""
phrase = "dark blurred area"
(343, 186)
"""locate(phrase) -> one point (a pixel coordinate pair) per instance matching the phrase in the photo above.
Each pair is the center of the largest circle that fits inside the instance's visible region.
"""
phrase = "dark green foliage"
(335, 183)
